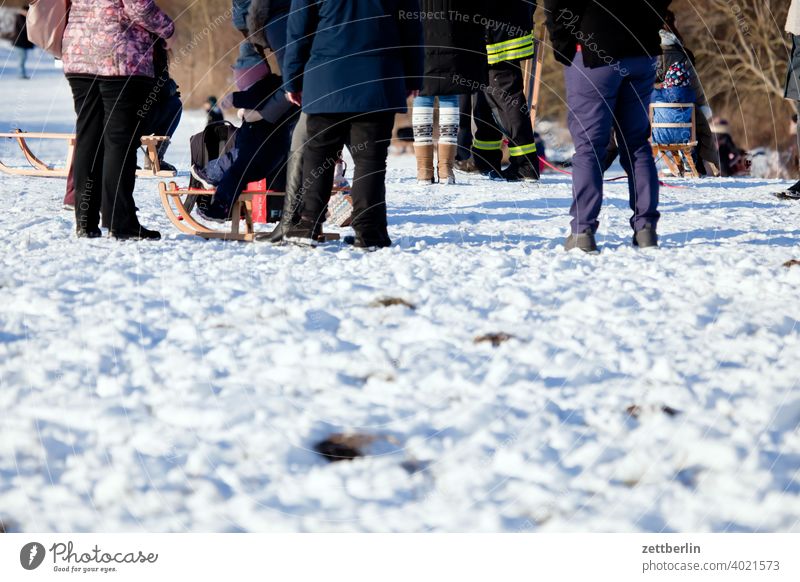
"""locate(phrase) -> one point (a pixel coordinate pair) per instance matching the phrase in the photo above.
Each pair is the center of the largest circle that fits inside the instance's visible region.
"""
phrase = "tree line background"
(740, 47)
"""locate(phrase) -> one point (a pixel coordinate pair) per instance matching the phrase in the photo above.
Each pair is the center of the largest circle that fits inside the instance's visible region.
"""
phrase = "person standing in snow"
(351, 64)
(509, 41)
(455, 63)
(22, 45)
(792, 89)
(108, 61)
(609, 48)
(675, 53)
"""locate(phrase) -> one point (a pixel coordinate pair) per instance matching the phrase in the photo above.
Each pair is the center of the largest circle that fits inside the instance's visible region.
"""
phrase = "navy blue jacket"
(354, 56)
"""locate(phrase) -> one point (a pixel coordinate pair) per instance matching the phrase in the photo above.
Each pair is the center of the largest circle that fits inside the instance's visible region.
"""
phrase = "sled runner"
(252, 206)
(40, 169)
(677, 156)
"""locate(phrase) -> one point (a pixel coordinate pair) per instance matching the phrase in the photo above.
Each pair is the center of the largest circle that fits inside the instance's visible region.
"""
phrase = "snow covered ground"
(181, 385)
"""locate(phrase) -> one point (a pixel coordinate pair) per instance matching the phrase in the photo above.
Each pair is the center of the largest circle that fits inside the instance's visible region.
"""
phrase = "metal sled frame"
(674, 155)
(174, 198)
(40, 169)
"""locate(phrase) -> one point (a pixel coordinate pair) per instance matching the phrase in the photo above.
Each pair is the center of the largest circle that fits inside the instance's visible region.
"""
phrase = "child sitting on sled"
(261, 147)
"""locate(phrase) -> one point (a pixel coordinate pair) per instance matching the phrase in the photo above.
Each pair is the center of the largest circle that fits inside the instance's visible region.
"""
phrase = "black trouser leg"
(507, 95)
(87, 165)
(123, 99)
(487, 147)
(370, 136)
(326, 135)
(464, 127)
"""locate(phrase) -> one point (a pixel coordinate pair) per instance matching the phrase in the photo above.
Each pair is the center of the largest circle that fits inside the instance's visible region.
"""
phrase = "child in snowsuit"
(260, 151)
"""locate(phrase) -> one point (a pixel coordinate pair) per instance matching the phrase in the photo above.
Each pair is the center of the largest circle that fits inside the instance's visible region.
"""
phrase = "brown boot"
(447, 159)
(424, 155)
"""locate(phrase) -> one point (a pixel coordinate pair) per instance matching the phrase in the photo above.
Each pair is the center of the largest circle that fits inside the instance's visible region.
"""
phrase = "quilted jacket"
(113, 38)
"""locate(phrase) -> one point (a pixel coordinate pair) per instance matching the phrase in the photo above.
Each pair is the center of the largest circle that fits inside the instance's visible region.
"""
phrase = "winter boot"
(447, 158)
(487, 161)
(304, 233)
(645, 238)
(468, 166)
(521, 168)
(583, 240)
(424, 155)
(289, 218)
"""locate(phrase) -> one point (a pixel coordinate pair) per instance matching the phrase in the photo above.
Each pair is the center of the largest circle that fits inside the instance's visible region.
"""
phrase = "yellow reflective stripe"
(509, 44)
(487, 145)
(524, 53)
(522, 150)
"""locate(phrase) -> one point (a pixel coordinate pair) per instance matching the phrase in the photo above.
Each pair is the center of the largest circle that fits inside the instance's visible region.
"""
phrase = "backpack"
(47, 20)
(214, 141)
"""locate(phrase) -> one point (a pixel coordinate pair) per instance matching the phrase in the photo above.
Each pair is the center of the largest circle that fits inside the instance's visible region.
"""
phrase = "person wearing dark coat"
(609, 48)
(509, 41)
(455, 64)
(351, 64)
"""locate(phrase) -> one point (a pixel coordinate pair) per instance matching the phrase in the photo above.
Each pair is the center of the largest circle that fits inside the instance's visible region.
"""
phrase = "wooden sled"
(174, 201)
(678, 157)
(40, 169)
(150, 144)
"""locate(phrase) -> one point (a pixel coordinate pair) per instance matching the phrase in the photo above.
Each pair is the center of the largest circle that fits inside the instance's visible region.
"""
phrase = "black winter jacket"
(607, 30)
(455, 56)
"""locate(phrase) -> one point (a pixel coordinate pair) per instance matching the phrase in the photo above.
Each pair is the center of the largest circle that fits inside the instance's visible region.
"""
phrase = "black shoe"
(167, 167)
(91, 232)
(517, 172)
(583, 240)
(371, 241)
(140, 233)
(645, 238)
(304, 233)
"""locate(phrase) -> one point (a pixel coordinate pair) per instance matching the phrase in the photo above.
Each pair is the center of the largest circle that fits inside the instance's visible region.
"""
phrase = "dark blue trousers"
(615, 96)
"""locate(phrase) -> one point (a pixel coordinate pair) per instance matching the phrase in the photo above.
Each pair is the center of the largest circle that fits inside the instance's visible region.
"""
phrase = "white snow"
(181, 385)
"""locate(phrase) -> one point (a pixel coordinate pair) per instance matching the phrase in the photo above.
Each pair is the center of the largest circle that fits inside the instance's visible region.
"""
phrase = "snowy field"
(182, 385)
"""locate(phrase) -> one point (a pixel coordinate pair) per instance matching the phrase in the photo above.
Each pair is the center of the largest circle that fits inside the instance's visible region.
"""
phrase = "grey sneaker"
(645, 238)
(582, 240)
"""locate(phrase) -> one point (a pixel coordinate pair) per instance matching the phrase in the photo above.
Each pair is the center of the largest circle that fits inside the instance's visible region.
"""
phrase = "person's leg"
(706, 144)
(632, 122)
(487, 147)
(591, 101)
(611, 153)
(464, 127)
(122, 100)
(448, 138)
(507, 95)
(325, 139)
(87, 164)
(173, 111)
(422, 123)
(23, 60)
(373, 134)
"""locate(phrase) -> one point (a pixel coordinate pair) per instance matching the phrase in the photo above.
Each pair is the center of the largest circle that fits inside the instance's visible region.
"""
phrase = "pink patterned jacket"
(113, 38)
